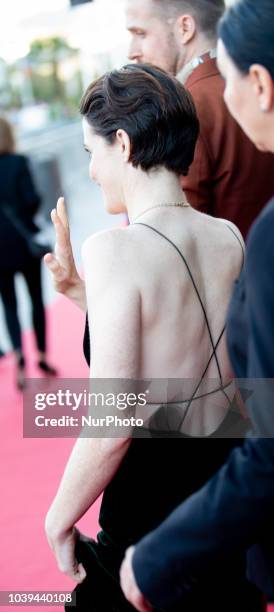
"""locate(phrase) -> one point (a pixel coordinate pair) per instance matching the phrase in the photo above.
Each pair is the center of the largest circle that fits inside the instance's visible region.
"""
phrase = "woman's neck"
(145, 190)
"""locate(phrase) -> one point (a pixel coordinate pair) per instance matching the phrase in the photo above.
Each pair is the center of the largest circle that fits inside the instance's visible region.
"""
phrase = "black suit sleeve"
(260, 318)
(231, 510)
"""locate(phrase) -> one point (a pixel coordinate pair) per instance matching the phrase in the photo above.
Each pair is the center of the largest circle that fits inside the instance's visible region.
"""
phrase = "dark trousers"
(32, 276)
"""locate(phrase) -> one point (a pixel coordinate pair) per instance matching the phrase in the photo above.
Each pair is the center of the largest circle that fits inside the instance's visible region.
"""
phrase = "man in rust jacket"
(229, 178)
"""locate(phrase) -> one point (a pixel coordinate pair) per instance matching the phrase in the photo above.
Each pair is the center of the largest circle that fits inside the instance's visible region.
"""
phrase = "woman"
(244, 489)
(157, 293)
(19, 202)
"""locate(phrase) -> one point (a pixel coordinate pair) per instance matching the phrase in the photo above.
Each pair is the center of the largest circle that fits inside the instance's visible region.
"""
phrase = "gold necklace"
(165, 204)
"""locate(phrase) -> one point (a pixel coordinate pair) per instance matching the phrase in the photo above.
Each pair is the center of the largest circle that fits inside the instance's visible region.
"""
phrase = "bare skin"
(172, 340)
(168, 336)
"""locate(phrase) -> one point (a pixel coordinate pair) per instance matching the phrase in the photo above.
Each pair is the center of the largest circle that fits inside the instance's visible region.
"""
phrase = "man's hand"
(129, 585)
(63, 547)
(61, 263)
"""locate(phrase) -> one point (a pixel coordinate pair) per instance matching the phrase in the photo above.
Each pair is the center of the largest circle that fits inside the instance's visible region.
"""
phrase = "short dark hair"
(155, 110)
(247, 31)
(207, 13)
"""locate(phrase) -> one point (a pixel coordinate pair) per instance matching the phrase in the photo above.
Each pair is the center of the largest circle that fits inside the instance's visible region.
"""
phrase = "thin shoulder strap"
(195, 287)
(202, 378)
(240, 242)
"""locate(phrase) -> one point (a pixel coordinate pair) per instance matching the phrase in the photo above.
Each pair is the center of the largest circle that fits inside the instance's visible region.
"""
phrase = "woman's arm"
(114, 305)
(91, 466)
(114, 309)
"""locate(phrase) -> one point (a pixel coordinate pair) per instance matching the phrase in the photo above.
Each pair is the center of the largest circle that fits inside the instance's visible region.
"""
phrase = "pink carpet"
(30, 469)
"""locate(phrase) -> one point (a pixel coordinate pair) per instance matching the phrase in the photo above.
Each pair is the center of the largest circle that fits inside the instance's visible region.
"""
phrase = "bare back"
(185, 290)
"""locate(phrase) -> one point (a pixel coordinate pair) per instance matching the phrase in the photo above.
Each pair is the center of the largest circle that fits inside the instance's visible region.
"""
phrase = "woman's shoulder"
(12, 166)
(22, 161)
(15, 157)
(17, 161)
(217, 223)
(109, 269)
(108, 250)
(227, 241)
(104, 240)
(234, 229)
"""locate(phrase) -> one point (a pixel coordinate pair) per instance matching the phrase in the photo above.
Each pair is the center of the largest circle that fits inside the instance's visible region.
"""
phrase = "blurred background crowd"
(50, 50)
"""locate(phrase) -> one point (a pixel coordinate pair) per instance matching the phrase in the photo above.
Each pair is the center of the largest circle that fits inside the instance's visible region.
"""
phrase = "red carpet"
(30, 469)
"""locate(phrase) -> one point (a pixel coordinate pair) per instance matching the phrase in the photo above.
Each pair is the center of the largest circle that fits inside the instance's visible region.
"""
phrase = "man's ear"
(122, 138)
(263, 87)
(186, 28)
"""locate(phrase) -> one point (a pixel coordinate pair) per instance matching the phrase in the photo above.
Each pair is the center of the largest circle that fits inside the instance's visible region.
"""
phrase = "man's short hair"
(207, 13)
(155, 110)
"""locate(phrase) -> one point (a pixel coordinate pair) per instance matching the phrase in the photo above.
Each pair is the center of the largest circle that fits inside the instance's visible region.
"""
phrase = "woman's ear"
(263, 87)
(123, 141)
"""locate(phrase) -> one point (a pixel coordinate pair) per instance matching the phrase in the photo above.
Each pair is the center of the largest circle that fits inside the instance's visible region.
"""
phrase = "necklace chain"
(164, 204)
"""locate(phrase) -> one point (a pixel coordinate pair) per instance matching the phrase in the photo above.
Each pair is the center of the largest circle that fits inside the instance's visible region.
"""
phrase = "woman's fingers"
(76, 573)
(48, 258)
(66, 560)
(81, 573)
(62, 212)
(62, 236)
(61, 263)
(69, 565)
(54, 266)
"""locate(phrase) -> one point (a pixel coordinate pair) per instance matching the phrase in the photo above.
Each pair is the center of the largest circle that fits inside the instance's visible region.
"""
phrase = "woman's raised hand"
(61, 263)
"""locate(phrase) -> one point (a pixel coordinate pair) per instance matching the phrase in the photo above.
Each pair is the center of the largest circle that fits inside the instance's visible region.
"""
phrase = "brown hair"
(7, 140)
(206, 12)
(155, 110)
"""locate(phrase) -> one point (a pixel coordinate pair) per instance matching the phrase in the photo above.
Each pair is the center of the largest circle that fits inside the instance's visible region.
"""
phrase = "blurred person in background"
(19, 202)
(180, 37)
(236, 508)
(156, 306)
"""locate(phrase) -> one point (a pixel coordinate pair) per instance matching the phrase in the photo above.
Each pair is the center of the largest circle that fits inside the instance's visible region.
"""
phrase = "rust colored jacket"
(229, 177)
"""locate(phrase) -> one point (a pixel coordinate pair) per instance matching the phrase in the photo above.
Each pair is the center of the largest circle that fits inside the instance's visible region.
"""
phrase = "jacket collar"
(202, 70)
